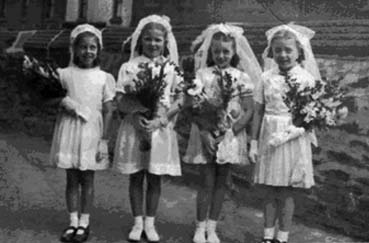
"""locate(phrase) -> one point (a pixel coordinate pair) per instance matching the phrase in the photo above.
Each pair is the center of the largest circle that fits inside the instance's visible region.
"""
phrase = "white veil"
(171, 41)
(303, 35)
(248, 62)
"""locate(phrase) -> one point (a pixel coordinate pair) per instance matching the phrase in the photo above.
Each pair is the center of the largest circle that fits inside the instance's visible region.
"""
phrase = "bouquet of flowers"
(43, 78)
(319, 107)
(214, 110)
(148, 87)
(210, 107)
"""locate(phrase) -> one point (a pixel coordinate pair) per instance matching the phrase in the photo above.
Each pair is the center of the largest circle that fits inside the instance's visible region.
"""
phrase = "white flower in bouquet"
(342, 113)
(132, 69)
(311, 112)
(155, 68)
(234, 110)
(196, 88)
(329, 118)
(27, 63)
(331, 102)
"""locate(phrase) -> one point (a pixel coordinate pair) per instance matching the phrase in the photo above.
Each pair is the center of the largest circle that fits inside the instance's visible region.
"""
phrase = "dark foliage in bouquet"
(42, 78)
(319, 106)
(211, 113)
(148, 88)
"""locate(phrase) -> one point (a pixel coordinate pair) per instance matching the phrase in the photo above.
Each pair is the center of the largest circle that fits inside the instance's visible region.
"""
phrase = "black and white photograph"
(184, 121)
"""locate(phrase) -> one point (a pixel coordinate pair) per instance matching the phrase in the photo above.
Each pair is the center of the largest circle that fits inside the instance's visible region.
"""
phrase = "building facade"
(51, 14)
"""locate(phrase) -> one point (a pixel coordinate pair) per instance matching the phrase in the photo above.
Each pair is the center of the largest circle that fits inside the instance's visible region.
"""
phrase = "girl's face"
(86, 51)
(285, 52)
(222, 52)
(153, 42)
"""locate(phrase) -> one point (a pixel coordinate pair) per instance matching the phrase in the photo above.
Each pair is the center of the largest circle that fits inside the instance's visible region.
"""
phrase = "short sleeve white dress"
(163, 157)
(289, 164)
(75, 141)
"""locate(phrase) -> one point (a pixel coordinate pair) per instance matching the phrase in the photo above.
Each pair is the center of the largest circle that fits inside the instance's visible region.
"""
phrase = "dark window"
(151, 3)
(49, 8)
(83, 9)
(25, 4)
(117, 8)
(186, 3)
(2, 8)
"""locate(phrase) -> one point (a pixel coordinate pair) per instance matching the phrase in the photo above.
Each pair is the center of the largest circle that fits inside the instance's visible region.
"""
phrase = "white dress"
(75, 141)
(289, 164)
(163, 157)
(232, 149)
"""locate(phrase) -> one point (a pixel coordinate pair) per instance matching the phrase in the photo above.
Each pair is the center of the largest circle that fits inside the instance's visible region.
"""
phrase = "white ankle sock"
(138, 221)
(149, 221)
(211, 231)
(151, 233)
(73, 217)
(199, 236)
(269, 233)
(136, 231)
(84, 221)
(282, 236)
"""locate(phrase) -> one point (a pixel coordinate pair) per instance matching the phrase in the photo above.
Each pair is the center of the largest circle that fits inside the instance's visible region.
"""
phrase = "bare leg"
(222, 173)
(204, 193)
(153, 194)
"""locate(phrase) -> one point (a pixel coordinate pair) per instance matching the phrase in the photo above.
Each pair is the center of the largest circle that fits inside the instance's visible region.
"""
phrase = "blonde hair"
(286, 34)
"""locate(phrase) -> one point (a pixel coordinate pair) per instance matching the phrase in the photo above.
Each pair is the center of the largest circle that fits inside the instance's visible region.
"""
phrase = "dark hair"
(286, 34)
(150, 26)
(77, 42)
(220, 36)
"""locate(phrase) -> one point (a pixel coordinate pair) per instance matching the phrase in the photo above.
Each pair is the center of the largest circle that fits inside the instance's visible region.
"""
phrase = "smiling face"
(285, 52)
(153, 42)
(222, 52)
(86, 49)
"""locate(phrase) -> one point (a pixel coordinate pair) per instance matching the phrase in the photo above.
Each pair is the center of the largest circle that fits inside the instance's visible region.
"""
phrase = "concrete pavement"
(32, 204)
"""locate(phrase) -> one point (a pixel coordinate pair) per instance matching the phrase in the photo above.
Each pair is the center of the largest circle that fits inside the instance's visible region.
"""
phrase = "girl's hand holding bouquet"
(319, 106)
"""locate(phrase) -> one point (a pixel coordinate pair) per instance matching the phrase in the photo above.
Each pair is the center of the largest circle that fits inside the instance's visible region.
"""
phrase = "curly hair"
(220, 36)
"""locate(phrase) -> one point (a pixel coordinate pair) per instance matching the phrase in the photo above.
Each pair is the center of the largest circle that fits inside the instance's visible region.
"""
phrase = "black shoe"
(79, 238)
(268, 241)
(68, 237)
(277, 241)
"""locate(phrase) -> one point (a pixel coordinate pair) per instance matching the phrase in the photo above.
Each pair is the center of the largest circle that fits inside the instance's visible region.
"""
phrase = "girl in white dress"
(152, 42)
(222, 50)
(283, 168)
(80, 138)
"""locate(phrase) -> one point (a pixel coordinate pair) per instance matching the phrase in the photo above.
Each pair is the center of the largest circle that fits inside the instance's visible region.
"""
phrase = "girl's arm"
(257, 119)
(176, 106)
(178, 97)
(107, 118)
(247, 104)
